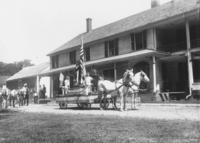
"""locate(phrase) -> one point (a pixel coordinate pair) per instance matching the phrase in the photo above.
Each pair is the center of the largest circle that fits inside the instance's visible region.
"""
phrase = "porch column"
(115, 72)
(154, 74)
(38, 84)
(155, 39)
(51, 87)
(189, 59)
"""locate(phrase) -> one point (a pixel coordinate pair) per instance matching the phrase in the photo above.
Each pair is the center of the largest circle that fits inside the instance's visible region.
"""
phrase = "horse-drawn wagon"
(82, 99)
(107, 92)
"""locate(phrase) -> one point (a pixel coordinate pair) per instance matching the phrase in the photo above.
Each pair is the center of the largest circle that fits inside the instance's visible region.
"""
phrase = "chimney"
(155, 3)
(88, 24)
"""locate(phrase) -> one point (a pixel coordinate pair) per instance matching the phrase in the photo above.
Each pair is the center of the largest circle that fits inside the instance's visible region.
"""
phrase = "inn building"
(163, 41)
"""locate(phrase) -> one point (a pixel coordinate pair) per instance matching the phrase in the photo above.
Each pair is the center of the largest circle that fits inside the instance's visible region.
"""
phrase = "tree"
(12, 68)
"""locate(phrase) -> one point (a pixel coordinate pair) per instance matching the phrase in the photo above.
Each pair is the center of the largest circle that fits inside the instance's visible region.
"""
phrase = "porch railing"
(179, 46)
(173, 47)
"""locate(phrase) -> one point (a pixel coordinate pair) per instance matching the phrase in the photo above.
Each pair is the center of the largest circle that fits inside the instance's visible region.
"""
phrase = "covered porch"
(180, 70)
(111, 68)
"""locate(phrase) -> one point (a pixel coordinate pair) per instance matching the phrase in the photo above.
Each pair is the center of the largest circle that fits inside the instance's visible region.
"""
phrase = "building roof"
(30, 71)
(151, 16)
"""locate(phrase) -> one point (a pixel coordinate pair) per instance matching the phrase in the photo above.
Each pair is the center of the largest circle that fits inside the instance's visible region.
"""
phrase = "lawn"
(19, 127)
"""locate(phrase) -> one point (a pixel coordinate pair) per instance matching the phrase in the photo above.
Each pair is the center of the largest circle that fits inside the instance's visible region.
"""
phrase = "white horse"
(128, 84)
(134, 88)
(106, 87)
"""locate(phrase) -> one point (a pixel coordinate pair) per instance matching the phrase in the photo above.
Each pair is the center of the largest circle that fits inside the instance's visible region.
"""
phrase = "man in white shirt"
(88, 83)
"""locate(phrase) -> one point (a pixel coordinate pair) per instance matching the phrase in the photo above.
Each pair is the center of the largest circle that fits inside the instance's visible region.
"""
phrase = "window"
(55, 61)
(196, 66)
(87, 54)
(138, 40)
(72, 57)
(111, 48)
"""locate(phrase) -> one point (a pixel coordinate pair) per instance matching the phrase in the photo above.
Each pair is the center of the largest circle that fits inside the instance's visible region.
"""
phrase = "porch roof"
(146, 18)
(133, 55)
(30, 71)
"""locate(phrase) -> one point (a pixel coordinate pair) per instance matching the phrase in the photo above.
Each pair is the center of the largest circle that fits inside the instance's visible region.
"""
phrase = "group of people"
(90, 82)
(11, 97)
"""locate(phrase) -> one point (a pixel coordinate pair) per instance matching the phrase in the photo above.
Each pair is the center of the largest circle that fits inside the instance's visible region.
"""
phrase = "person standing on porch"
(44, 91)
(67, 84)
(61, 79)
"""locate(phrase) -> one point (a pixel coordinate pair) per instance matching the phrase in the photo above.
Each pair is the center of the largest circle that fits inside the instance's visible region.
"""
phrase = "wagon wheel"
(63, 105)
(84, 105)
(104, 103)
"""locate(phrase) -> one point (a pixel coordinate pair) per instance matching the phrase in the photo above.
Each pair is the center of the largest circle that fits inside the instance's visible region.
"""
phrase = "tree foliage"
(12, 68)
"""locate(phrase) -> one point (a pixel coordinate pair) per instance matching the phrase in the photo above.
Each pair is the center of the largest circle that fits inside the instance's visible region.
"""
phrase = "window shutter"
(144, 39)
(133, 41)
(116, 47)
(106, 49)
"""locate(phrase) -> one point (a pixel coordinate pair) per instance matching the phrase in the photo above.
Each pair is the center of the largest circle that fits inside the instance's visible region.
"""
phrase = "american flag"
(81, 71)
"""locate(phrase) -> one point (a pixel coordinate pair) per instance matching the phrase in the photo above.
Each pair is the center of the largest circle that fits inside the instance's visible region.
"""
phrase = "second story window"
(111, 48)
(55, 61)
(138, 41)
(72, 57)
(87, 53)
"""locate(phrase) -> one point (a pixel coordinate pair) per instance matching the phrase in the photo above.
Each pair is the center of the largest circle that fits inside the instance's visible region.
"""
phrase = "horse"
(106, 87)
(128, 84)
(134, 88)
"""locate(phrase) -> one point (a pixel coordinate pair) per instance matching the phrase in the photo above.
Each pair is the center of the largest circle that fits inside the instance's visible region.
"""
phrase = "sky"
(30, 29)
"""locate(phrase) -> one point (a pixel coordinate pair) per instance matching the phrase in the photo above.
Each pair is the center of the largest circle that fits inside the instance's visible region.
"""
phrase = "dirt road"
(149, 111)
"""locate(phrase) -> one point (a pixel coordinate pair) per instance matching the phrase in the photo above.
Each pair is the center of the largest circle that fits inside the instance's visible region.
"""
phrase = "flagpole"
(82, 62)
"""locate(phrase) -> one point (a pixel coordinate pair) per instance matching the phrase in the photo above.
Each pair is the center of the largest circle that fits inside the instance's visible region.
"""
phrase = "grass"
(18, 127)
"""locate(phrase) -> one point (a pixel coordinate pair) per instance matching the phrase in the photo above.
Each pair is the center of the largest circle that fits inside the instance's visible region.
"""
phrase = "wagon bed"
(79, 97)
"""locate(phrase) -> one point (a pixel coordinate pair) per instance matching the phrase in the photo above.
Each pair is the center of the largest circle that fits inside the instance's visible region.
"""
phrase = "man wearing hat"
(26, 94)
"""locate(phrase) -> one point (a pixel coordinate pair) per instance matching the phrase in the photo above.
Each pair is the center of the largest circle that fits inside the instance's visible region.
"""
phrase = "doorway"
(109, 74)
(175, 76)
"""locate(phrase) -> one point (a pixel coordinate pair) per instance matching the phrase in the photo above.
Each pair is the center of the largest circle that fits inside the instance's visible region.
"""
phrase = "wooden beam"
(38, 86)
(154, 74)
(189, 58)
(51, 87)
